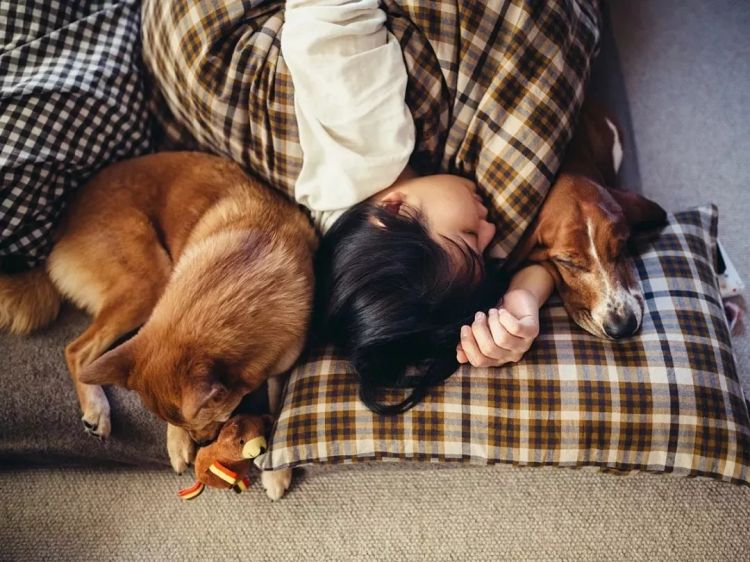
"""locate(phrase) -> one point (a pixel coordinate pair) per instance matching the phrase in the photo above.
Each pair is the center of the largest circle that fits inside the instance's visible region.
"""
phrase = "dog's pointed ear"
(111, 368)
(639, 211)
(198, 394)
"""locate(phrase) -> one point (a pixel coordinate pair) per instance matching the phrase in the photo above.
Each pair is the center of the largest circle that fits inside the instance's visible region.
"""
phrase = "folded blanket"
(494, 88)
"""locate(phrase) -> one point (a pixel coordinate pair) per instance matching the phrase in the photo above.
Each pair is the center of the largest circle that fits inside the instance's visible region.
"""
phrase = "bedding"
(665, 400)
(71, 101)
(494, 89)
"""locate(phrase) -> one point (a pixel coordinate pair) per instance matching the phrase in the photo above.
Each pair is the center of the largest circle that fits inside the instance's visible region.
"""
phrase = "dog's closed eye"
(568, 264)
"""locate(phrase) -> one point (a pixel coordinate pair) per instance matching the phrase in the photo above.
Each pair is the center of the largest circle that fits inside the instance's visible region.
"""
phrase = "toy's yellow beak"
(254, 447)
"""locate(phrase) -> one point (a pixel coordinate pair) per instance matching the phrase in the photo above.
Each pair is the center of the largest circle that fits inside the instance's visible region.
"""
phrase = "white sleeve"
(355, 129)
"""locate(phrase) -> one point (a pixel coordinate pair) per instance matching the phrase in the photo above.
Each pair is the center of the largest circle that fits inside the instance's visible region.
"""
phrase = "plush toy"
(225, 463)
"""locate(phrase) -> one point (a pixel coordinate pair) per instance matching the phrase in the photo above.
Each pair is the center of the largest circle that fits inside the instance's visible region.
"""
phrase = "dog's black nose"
(203, 442)
(621, 325)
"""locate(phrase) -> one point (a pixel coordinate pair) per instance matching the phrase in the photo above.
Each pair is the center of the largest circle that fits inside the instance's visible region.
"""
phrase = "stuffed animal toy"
(225, 463)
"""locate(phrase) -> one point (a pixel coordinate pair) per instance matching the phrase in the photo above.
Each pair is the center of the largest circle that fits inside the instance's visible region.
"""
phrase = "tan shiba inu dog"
(212, 266)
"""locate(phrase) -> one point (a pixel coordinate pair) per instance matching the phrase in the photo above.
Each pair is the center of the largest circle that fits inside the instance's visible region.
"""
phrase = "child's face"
(450, 206)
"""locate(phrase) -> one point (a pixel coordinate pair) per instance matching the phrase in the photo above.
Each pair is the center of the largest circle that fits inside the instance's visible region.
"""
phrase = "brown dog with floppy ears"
(211, 267)
(580, 235)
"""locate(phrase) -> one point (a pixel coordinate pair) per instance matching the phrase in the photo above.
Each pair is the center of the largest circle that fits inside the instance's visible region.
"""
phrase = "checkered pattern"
(667, 400)
(71, 101)
(493, 88)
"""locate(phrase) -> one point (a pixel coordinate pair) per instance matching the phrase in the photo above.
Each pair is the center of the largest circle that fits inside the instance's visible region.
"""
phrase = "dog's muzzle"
(621, 325)
(621, 316)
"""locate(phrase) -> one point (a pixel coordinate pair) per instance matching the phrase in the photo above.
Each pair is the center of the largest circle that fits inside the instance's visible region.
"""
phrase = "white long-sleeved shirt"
(355, 129)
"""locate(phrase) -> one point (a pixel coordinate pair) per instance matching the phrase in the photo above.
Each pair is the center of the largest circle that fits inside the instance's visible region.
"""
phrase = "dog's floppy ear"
(198, 394)
(528, 248)
(111, 368)
(603, 139)
(639, 211)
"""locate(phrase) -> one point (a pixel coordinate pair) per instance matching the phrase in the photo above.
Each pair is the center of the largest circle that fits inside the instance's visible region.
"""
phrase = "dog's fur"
(212, 268)
(580, 235)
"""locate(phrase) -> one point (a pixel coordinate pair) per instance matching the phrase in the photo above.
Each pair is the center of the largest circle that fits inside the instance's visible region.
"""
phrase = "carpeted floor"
(687, 70)
(413, 512)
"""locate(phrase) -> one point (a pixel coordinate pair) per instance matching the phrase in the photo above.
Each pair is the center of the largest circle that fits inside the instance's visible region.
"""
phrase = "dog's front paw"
(96, 421)
(276, 482)
(180, 447)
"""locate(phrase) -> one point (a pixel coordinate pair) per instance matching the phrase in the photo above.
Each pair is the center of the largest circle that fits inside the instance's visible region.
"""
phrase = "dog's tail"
(28, 301)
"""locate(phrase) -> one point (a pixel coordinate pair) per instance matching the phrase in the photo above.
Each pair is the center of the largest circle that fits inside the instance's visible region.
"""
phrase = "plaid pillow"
(667, 400)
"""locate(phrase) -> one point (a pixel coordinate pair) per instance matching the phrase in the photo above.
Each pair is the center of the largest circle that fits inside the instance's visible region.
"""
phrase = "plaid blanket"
(71, 101)
(494, 88)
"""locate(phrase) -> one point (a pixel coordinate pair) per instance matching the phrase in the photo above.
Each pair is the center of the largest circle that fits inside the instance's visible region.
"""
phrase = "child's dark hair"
(390, 297)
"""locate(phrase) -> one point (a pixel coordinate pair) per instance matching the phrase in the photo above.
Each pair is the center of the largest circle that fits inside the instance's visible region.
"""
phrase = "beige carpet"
(376, 513)
(687, 70)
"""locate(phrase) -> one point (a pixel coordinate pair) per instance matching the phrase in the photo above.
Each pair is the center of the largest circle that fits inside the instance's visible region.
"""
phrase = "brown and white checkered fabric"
(494, 88)
(667, 400)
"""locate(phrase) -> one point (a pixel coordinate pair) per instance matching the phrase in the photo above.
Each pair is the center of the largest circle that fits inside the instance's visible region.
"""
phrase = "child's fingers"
(471, 349)
(460, 355)
(502, 337)
(483, 337)
(522, 328)
(484, 354)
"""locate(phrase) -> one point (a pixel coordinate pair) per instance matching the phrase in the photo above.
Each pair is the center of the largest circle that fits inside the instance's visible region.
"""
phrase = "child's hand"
(503, 335)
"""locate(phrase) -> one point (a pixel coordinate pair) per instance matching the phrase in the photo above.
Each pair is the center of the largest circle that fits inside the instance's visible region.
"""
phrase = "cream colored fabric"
(355, 130)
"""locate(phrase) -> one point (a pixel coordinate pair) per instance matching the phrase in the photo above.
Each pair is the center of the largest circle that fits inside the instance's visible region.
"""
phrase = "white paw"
(180, 447)
(95, 417)
(276, 482)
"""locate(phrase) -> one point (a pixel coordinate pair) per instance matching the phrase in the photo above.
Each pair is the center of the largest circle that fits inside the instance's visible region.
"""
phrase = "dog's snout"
(621, 325)
(206, 435)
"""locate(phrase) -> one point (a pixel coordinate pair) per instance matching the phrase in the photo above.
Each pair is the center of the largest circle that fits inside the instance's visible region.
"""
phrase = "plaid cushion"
(71, 101)
(494, 88)
(667, 400)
